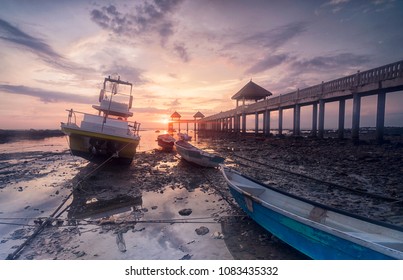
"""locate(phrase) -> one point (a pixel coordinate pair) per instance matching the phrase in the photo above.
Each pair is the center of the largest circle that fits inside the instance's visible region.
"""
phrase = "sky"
(186, 55)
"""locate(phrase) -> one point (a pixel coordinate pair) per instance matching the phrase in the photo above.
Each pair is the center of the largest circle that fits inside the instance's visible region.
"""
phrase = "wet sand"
(162, 207)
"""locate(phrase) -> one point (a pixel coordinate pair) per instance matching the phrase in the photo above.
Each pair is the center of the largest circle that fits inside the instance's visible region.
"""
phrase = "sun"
(164, 120)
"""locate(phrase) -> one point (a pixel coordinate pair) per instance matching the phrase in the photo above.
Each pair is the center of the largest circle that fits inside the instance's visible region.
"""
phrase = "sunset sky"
(186, 56)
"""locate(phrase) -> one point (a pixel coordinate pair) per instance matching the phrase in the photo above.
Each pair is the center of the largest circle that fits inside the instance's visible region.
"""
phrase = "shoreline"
(7, 136)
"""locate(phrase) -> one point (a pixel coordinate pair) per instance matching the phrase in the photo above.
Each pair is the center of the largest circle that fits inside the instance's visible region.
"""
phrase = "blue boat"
(316, 230)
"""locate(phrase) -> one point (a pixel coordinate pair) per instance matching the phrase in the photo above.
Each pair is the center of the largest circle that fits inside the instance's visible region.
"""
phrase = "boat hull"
(167, 146)
(196, 156)
(312, 238)
(97, 146)
(166, 142)
(308, 240)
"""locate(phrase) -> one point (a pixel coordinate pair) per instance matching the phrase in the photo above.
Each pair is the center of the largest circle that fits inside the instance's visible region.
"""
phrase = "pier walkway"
(378, 81)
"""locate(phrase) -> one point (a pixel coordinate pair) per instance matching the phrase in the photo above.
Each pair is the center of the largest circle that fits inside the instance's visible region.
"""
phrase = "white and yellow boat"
(108, 133)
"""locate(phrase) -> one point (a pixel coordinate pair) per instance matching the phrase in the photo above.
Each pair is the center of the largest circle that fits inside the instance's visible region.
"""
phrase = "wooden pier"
(378, 81)
(176, 119)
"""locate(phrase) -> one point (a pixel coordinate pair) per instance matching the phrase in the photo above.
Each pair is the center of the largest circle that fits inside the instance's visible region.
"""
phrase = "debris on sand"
(185, 212)
(218, 235)
(202, 230)
(186, 257)
(120, 241)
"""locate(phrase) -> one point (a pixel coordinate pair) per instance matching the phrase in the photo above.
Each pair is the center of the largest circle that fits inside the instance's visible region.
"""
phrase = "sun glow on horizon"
(164, 120)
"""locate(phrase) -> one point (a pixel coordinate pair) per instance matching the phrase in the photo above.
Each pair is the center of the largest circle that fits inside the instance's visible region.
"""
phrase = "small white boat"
(317, 230)
(184, 137)
(166, 141)
(109, 133)
(195, 155)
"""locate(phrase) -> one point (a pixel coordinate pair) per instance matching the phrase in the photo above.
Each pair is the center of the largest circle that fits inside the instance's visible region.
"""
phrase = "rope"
(16, 253)
(91, 222)
(16, 224)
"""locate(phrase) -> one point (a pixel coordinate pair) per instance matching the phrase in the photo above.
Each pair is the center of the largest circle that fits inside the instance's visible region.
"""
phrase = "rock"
(217, 235)
(80, 254)
(18, 234)
(185, 212)
(186, 257)
(202, 230)
(29, 257)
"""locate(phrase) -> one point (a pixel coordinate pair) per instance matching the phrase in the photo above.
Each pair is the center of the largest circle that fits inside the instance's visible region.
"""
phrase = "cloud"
(45, 96)
(302, 73)
(268, 62)
(336, 2)
(274, 38)
(182, 52)
(16, 36)
(359, 7)
(268, 42)
(150, 110)
(306, 72)
(145, 22)
(132, 74)
(173, 104)
(340, 62)
(145, 19)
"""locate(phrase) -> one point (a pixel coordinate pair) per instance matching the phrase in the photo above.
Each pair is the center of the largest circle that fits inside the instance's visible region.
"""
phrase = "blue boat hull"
(311, 241)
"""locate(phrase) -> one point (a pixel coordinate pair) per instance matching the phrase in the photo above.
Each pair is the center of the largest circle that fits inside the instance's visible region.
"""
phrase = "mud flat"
(162, 207)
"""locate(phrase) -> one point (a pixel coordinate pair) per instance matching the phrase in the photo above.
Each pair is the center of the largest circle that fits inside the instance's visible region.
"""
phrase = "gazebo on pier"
(176, 118)
(197, 116)
(250, 91)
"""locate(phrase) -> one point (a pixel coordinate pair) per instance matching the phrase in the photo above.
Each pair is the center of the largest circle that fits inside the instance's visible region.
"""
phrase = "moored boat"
(195, 155)
(184, 137)
(166, 141)
(108, 133)
(317, 230)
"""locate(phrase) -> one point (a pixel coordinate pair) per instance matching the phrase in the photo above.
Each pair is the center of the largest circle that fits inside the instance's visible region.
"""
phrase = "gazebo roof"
(251, 91)
(198, 115)
(176, 115)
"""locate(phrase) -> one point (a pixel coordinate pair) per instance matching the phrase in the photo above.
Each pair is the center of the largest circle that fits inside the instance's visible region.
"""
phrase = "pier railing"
(379, 74)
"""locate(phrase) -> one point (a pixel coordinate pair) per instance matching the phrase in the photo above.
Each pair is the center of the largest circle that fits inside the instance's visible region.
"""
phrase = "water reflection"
(83, 207)
(150, 226)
